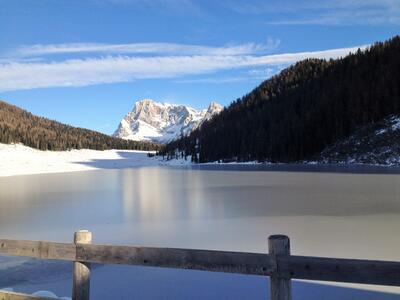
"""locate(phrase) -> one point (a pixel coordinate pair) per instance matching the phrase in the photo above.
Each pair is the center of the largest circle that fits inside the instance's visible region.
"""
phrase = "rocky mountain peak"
(162, 122)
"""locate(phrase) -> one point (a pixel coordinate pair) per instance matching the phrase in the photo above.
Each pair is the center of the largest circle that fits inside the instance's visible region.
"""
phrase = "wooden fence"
(278, 263)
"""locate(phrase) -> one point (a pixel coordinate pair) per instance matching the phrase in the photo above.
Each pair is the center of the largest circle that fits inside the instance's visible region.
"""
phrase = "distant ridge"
(307, 107)
(19, 126)
(162, 122)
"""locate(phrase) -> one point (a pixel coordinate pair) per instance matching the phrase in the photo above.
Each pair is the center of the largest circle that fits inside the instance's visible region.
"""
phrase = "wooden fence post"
(280, 287)
(81, 271)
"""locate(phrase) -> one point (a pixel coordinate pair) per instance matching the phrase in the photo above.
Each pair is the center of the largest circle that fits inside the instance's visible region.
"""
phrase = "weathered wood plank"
(38, 249)
(216, 261)
(280, 287)
(81, 271)
(340, 270)
(17, 296)
(298, 267)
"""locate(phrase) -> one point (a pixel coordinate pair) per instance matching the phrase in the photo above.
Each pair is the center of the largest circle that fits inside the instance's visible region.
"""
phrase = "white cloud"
(211, 80)
(265, 72)
(221, 80)
(111, 69)
(149, 48)
(316, 12)
(261, 73)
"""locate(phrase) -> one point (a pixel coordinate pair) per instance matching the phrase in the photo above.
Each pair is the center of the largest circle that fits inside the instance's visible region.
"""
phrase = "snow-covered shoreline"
(17, 159)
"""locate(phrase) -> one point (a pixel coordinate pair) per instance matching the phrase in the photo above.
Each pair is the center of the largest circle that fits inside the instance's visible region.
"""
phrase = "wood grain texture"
(215, 261)
(280, 286)
(341, 270)
(38, 249)
(297, 267)
(81, 270)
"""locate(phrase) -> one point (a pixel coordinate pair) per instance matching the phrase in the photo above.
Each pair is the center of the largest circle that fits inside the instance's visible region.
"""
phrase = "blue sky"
(85, 62)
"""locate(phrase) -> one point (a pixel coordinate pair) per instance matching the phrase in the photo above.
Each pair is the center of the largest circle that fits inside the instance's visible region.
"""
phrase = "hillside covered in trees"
(307, 107)
(19, 126)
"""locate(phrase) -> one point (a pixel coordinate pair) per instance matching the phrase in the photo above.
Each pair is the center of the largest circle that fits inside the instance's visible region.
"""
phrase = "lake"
(333, 211)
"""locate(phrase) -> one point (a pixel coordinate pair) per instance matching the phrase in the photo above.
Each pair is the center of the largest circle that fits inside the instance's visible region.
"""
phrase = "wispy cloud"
(213, 80)
(147, 48)
(333, 12)
(112, 69)
(257, 74)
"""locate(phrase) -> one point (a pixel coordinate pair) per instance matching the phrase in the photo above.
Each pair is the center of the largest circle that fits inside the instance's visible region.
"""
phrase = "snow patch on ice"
(47, 294)
(252, 162)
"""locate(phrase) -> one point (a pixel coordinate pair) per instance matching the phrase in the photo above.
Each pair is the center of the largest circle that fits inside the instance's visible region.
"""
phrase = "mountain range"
(162, 122)
(338, 111)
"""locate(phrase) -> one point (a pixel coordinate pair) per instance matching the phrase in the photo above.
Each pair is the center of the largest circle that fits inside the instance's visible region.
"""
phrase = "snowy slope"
(17, 159)
(377, 143)
(162, 122)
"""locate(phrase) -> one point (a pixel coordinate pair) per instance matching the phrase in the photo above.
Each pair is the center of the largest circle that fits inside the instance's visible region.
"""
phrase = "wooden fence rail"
(278, 264)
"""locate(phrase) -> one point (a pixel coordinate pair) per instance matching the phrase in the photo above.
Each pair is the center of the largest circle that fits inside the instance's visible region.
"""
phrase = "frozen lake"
(326, 211)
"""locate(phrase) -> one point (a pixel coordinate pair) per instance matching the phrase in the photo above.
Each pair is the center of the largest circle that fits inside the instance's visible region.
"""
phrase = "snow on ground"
(395, 123)
(252, 162)
(17, 159)
(47, 294)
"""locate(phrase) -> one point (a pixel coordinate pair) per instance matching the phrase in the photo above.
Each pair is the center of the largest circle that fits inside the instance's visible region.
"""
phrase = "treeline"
(299, 112)
(19, 126)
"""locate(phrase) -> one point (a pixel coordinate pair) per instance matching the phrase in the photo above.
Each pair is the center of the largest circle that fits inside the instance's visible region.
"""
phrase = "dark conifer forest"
(19, 126)
(298, 113)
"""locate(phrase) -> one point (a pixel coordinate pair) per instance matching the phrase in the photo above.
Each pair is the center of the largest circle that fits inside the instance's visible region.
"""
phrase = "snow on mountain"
(376, 143)
(162, 122)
